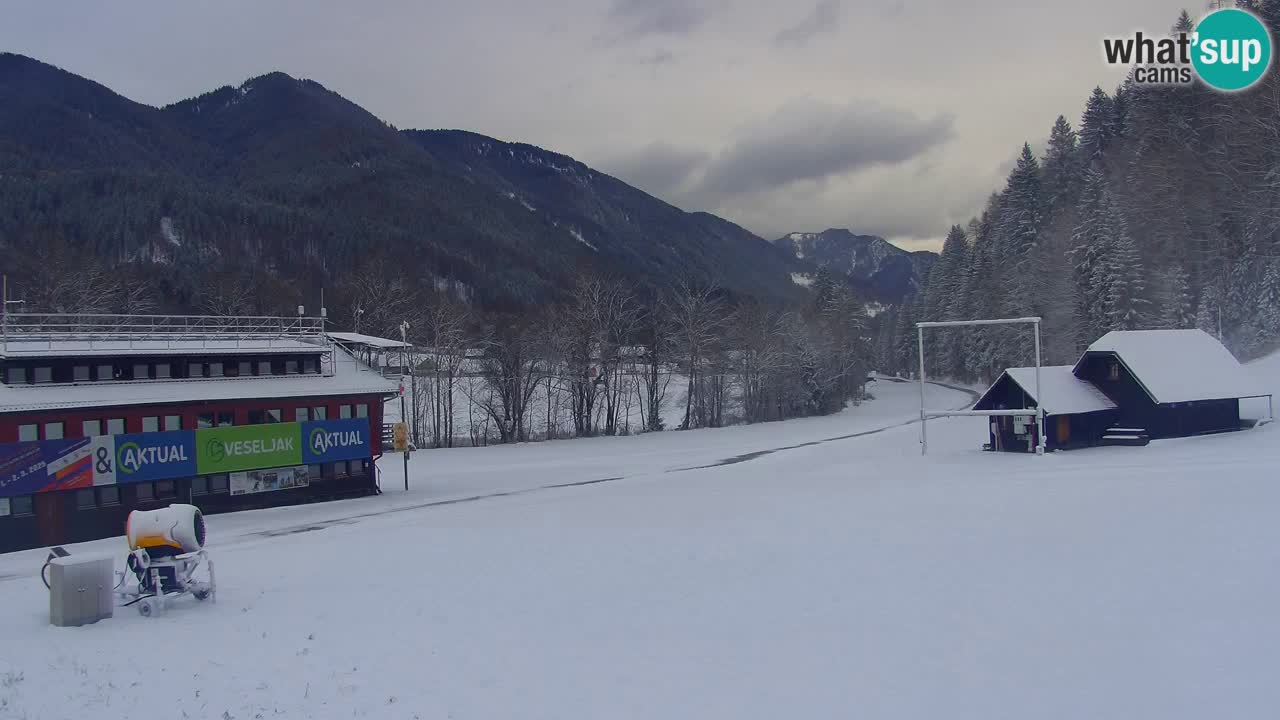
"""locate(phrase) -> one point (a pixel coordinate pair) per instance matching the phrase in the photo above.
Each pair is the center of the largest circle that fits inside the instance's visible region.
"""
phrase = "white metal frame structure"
(1037, 412)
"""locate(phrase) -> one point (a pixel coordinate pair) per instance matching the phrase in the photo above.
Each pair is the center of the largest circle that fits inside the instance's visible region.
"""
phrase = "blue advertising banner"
(333, 440)
(142, 457)
(31, 467)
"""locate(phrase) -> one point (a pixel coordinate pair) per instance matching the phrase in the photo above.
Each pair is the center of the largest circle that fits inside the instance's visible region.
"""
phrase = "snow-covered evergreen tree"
(1127, 305)
(1061, 166)
(1096, 124)
(1179, 311)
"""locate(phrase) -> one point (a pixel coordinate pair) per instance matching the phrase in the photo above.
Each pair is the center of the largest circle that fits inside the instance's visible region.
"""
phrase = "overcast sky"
(894, 117)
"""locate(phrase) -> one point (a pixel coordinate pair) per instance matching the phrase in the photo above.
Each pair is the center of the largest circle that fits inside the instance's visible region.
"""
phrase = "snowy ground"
(848, 578)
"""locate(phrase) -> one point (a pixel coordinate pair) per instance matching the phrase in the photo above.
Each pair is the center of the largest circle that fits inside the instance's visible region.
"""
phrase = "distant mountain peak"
(889, 271)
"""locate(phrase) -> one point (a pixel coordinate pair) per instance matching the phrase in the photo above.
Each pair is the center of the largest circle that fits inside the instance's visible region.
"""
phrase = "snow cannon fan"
(167, 548)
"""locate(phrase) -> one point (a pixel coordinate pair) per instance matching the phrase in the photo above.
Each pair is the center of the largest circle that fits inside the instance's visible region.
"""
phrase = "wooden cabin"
(1127, 388)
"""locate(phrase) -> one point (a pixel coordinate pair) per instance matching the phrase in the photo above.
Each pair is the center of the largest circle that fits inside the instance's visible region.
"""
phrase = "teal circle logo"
(1231, 49)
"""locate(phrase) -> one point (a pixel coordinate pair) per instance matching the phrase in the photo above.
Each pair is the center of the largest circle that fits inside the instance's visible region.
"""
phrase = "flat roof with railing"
(80, 334)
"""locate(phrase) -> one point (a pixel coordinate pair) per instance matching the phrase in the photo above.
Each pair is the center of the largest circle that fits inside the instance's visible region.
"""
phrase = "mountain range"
(286, 187)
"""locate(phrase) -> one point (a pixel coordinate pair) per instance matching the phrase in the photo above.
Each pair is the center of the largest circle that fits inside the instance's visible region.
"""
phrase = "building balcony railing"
(33, 332)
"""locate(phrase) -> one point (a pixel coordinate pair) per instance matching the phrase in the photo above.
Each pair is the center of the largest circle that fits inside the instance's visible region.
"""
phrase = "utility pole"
(404, 334)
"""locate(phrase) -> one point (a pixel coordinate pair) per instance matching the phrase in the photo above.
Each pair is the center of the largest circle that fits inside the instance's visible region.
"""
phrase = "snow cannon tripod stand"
(166, 553)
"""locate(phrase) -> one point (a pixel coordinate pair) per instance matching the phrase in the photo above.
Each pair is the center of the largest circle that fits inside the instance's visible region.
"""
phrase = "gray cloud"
(659, 168)
(658, 57)
(824, 17)
(638, 18)
(812, 140)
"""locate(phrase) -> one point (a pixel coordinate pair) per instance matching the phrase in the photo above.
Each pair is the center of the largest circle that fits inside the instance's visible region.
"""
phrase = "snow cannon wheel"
(149, 607)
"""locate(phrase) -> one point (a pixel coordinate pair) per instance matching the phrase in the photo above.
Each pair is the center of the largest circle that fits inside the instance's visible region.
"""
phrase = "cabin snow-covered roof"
(1064, 393)
(1178, 365)
(370, 340)
(350, 377)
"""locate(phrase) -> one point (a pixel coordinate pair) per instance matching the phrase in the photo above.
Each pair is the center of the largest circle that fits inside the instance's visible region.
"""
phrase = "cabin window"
(43, 374)
(320, 413)
(91, 428)
(245, 368)
(200, 486)
(21, 505)
(264, 367)
(109, 495)
(151, 423)
(144, 492)
(17, 375)
(162, 371)
(172, 422)
(204, 420)
(215, 369)
(301, 414)
(28, 433)
(106, 372)
(80, 373)
(1113, 370)
(218, 483)
(54, 431)
(85, 499)
(195, 370)
(115, 426)
(141, 371)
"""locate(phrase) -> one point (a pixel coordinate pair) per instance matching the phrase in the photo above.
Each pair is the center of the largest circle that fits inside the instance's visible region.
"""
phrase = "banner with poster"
(250, 482)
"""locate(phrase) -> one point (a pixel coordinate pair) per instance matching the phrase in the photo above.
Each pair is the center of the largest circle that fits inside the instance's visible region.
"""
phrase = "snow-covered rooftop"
(156, 345)
(1064, 393)
(370, 340)
(1179, 365)
(349, 377)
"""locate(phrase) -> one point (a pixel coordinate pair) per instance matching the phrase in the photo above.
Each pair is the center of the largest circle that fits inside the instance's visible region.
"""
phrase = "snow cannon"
(166, 549)
(179, 528)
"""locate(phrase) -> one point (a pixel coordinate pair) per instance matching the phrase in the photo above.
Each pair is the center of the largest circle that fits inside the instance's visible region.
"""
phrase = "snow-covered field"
(848, 578)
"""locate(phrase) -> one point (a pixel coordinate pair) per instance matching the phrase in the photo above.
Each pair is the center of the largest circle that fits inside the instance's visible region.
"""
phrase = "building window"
(290, 367)
(245, 368)
(264, 367)
(195, 370)
(200, 486)
(165, 490)
(172, 422)
(218, 483)
(309, 365)
(313, 472)
(109, 495)
(28, 433)
(162, 371)
(17, 375)
(320, 412)
(344, 412)
(275, 415)
(85, 499)
(151, 423)
(115, 426)
(80, 373)
(54, 431)
(4, 507)
(340, 469)
(21, 505)
(106, 372)
(257, 417)
(91, 428)
(215, 369)
(301, 414)
(43, 375)
(204, 420)
(144, 492)
(1113, 370)
(141, 371)
(226, 418)
(362, 410)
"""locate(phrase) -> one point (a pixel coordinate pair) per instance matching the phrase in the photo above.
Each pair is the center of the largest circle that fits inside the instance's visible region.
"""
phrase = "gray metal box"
(80, 590)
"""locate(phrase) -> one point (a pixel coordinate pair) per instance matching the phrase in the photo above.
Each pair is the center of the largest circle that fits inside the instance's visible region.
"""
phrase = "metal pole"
(1040, 447)
(404, 330)
(924, 422)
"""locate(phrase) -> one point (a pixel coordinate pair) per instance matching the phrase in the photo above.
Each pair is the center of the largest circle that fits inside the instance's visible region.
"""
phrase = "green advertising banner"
(248, 447)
